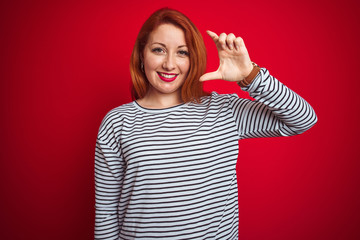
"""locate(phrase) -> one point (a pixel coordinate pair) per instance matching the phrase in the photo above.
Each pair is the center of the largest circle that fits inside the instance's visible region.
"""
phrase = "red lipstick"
(167, 77)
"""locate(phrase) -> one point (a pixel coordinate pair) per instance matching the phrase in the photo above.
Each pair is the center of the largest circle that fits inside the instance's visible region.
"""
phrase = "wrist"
(248, 80)
(249, 70)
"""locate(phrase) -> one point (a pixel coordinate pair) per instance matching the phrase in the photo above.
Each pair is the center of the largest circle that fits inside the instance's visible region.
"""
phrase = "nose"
(169, 62)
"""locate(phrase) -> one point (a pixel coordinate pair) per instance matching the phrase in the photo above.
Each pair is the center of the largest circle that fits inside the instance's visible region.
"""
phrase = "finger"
(213, 35)
(222, 41)
(230, 41)
(239, 42)
(210, 76)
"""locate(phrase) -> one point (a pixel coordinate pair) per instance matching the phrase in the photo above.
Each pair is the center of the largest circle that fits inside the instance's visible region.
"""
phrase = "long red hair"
(192, 88)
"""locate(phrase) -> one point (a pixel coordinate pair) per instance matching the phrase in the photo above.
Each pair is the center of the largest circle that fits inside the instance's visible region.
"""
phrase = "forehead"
(167, 34)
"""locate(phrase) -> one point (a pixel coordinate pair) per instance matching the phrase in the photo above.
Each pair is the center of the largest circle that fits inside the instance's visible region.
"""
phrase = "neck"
(160, 100)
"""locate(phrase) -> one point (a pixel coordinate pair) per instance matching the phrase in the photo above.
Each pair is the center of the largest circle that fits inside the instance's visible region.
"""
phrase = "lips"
(167, 77)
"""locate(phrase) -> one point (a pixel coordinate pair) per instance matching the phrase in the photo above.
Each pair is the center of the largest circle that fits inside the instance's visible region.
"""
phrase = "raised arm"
(277, 111)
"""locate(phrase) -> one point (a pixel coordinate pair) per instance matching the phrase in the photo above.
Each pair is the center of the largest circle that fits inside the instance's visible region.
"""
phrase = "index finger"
(213, 35)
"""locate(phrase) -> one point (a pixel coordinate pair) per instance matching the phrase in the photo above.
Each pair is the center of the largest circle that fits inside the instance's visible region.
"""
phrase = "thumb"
(210, 76)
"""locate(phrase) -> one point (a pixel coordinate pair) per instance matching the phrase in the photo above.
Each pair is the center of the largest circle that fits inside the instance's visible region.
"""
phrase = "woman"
(165, 163)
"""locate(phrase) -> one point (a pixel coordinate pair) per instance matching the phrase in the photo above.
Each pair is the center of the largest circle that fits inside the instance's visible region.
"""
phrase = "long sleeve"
(109, 169)
(276, 111)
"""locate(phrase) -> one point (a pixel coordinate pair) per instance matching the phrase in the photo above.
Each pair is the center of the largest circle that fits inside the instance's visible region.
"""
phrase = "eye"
(183, 53)
(157, 50)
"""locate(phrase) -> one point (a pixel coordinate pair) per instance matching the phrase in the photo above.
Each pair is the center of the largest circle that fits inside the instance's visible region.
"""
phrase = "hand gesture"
(235, 63)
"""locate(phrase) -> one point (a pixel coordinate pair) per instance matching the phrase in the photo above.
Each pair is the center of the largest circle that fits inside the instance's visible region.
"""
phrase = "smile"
(167, 77)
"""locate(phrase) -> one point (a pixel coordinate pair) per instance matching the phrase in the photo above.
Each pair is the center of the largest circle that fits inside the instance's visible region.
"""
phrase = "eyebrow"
(165, 45)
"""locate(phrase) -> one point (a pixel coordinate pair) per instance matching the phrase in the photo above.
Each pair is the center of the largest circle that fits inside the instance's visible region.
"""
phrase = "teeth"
(167, 75)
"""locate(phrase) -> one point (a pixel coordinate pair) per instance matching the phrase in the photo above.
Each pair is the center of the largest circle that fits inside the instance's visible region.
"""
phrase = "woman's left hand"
(235, 63)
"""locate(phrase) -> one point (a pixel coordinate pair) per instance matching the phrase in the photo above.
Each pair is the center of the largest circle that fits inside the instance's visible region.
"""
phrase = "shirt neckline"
(158, 110)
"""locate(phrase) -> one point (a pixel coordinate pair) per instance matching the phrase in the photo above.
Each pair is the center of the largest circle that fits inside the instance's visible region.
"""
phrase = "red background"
(64, 64)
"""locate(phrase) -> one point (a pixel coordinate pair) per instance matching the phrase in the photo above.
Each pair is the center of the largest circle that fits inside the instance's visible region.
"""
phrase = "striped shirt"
(170, 173)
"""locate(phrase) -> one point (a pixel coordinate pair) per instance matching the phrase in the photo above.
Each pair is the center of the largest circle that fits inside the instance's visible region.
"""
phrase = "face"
(166, 59)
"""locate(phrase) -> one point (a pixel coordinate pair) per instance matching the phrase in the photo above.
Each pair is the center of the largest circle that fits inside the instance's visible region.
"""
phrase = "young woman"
(165, 163)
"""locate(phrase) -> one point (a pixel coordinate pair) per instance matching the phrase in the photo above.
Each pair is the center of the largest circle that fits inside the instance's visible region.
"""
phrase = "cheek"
(152, 62)
(184, 66)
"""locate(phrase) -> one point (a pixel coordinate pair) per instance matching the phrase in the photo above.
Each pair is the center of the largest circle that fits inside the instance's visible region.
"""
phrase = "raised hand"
(235, 63)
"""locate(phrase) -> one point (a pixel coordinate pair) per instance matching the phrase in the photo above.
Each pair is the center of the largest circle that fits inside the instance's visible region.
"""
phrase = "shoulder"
(125, 109)
(215, 102)
(119, 112)
(221, 102)
(114, 118)
(215, 97)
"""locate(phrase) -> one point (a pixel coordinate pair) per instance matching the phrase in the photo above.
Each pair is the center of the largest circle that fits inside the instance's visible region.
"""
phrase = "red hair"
(192, 88)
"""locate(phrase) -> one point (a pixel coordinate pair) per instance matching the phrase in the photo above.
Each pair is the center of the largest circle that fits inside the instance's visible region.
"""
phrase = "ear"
(141, 55)
(142, 63)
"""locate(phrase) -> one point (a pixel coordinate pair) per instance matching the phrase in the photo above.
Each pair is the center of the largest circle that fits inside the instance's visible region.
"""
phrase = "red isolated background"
(64, 64)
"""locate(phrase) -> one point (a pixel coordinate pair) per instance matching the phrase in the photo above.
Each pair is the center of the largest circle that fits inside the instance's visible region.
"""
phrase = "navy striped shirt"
(170, 173)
